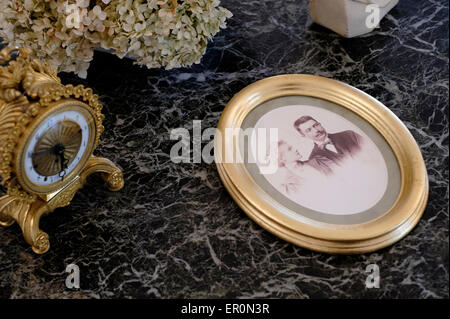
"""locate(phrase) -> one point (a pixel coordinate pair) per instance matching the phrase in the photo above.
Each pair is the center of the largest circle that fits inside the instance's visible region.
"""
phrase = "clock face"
(57, 147)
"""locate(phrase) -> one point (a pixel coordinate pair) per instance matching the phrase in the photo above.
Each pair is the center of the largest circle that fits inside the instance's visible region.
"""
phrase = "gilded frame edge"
(375, 234)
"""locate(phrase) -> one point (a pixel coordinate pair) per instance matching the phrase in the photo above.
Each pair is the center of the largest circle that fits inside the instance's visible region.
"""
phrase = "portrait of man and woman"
(324, 161)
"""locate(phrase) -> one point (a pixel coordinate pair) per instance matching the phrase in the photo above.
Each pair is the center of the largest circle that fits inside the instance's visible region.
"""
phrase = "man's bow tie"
(328, 144)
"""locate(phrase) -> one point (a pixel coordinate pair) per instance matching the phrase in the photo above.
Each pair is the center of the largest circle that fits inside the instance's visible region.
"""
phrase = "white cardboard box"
(349, 17)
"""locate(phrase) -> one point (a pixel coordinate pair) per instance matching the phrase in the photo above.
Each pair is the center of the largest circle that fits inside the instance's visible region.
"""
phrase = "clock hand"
(59, 151)
(62, 173)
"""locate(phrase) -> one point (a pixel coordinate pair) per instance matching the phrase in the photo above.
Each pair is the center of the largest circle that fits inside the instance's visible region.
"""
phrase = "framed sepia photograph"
(321, 164)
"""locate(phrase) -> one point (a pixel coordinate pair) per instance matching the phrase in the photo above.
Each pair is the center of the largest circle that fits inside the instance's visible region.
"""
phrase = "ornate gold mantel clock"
(48, 132)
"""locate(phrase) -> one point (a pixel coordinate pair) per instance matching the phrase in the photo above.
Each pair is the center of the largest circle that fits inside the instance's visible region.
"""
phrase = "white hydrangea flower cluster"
(157, 33)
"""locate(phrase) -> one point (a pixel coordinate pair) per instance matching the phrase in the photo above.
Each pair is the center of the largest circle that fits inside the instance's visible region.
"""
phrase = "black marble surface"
(174, 232)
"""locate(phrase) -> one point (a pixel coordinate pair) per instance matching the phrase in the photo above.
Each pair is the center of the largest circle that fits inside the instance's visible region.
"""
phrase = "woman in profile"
(290, 168)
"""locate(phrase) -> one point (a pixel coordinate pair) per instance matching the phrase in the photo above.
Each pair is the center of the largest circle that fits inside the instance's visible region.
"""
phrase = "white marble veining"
(174, 232)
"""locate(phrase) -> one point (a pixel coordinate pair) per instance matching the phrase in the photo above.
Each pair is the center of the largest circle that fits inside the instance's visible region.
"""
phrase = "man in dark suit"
(329, 149)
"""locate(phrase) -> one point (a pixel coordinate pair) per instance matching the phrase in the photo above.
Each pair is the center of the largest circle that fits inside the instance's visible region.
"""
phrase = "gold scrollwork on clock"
(48, 132)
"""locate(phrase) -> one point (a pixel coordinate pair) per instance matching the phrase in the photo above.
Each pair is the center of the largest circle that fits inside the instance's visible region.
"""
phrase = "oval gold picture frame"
(380, 232)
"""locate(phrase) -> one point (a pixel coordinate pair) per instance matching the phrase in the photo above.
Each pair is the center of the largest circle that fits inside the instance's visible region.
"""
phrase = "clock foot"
(27, 216)
(114, 180)
(111, 174)
(41, 244)
(30, 227)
